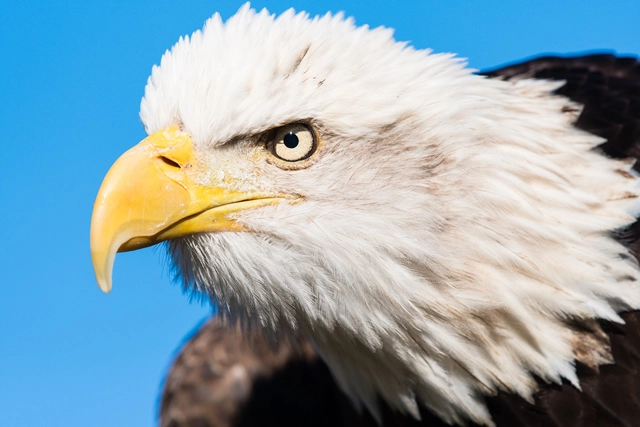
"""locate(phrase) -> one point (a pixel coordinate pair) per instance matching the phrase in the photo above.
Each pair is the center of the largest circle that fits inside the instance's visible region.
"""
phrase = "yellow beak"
(148, 197)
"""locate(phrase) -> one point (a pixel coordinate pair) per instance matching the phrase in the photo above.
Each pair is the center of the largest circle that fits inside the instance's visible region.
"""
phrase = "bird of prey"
(444, 241)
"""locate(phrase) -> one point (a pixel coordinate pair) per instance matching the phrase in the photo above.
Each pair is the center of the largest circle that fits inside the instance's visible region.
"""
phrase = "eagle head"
(438, 236)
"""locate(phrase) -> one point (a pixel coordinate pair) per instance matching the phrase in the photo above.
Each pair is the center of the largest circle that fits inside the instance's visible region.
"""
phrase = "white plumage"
(449, 235)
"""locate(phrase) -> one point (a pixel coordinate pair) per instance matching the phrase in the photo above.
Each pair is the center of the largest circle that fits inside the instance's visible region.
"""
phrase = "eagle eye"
(293, 142)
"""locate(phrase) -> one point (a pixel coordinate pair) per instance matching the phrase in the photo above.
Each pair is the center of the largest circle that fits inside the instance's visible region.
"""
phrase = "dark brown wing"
(224, 378)
(609, 398)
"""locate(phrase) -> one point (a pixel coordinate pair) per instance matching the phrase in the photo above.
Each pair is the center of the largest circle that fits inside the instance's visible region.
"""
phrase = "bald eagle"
(439, 238)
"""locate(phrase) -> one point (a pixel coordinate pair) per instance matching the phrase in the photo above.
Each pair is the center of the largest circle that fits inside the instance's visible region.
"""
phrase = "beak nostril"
(169, 162)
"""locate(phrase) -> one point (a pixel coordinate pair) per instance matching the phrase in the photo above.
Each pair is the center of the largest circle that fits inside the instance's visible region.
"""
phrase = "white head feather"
(453, 227)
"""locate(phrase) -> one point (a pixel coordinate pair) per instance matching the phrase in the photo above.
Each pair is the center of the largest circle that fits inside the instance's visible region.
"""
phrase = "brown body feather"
(225, 378)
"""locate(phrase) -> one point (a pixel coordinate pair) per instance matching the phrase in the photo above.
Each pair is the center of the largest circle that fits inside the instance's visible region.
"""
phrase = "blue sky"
(71, 77)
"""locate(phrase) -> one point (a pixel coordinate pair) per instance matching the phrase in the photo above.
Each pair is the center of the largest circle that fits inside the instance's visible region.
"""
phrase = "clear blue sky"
(71, 78)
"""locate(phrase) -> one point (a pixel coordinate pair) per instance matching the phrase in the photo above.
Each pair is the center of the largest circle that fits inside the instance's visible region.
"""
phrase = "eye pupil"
(291, 140)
